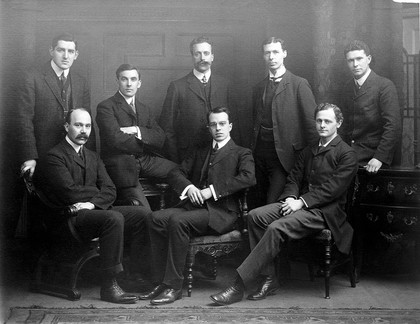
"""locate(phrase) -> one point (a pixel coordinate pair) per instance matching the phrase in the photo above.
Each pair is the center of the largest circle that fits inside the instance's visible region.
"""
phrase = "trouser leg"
(294, 226)
(108, 225)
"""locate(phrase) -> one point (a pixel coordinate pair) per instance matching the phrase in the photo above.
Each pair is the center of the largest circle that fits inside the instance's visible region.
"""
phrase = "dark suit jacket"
(372, 119)
(40, 111)
(293, 117)
(65, 179)
(119, 150)
(232, 170)
(321, 179)
(184, 113)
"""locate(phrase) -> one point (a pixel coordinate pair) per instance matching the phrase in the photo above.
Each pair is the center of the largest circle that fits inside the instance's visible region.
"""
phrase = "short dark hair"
(200, 40)
(127, 67)
(271, 40)
(64, 37)
(325, 106)
(218, 110)
(357, 45)
(71, 111)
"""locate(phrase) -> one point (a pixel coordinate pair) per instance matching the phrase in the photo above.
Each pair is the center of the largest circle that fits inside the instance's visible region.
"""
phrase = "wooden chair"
(58, 267)
(155, 188)
(218, 245)
(320, 249)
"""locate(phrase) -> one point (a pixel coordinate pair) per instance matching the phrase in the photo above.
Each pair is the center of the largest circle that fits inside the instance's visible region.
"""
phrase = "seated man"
(70, 174)
(313, 199)
(207, 182)
(130, 138)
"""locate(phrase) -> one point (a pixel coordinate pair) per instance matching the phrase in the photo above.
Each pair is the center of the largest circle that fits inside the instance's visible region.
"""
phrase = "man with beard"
(188, 100)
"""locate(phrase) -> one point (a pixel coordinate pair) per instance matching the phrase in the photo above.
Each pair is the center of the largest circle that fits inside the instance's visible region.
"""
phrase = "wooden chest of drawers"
(387, 203)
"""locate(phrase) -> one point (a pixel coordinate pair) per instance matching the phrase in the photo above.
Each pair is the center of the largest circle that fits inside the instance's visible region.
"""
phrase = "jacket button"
(352, 141)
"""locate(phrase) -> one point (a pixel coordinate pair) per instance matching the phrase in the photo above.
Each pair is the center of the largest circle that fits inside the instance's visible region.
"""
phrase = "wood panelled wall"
(153, 34)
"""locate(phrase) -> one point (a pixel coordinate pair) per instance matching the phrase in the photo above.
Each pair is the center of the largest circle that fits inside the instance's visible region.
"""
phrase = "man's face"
(80, 127)
(129, 82)
(64, 54)
(202, 57)
(326, 124)
(358, 62)
(274, 56)
(219, 126)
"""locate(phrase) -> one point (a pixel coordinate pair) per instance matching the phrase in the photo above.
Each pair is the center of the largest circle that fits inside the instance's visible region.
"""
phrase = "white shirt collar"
(326, 144)
(222, 143)
(200, 75)
(279, 72)
(363, 78)
(74, 145)
(128, 99)
(58, 71)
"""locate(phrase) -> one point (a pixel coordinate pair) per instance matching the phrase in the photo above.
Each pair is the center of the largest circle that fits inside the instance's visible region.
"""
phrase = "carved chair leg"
(327, 268)
(214, 267)
(190, 264)
(352, 270)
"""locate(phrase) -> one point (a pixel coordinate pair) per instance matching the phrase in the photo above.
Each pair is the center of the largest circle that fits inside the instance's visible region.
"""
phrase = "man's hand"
(206, 193)
(373, 165)
(195, 196)
(84, 205)
(290, 205)
(28, 165)
(130, 130)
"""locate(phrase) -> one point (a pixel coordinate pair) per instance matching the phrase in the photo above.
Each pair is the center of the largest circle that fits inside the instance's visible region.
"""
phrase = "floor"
(385, 290)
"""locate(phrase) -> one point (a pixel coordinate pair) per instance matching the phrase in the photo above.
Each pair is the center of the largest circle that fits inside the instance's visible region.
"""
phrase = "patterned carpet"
(213, 315)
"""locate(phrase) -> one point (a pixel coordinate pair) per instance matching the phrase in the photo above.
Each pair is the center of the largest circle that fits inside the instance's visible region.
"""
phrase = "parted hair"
(127, 67)
(64, 37)
(325, 106)
(218, 110)
(357, 45)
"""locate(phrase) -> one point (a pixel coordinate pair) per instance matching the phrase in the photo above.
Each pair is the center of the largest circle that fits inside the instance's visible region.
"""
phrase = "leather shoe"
(266, 288)
(168, 296)
(230, 295)
(113, 293)
(153, 293)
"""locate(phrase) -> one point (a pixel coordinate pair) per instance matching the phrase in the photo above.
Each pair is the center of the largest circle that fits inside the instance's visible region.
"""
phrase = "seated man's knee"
(114, 218)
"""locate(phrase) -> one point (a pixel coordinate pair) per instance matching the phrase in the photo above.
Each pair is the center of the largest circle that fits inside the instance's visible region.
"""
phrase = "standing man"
(130, 138)
(283, 108)
(184, 112)
(313, 199)
(47, 94)
(71, 174)
(370, 107)
(207, 183)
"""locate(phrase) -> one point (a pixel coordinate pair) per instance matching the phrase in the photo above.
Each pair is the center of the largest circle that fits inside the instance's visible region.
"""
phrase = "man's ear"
(66, 127)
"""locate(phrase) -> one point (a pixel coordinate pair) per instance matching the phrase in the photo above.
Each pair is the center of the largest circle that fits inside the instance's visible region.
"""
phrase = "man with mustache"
(71, 174)
(188, 100)
(46, 96)
(371, 110)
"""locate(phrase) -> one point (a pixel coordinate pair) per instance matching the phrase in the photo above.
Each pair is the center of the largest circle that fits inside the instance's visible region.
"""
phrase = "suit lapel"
(194, 86)
(366, 85)
(124, 106)
(205, 157)
(223, 152)
(72, 153)
(51, 80)
(283, 83)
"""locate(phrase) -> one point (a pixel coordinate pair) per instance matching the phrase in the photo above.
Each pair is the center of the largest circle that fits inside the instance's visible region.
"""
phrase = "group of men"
(302, 166)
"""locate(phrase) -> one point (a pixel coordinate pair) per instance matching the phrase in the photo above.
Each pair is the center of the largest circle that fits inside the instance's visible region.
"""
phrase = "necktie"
(80, 153)
(62, 80)
(276, 79)
(204, 80)
(132, 106)
(215, 148)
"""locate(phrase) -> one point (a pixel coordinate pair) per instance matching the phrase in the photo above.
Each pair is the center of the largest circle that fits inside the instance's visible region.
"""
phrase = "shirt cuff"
(138, 133)
(304, 202)
(184, 192)
(213, 192)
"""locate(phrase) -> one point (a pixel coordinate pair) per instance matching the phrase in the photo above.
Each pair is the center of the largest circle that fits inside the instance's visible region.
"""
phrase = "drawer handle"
(389, 217)
(390, 188)
(390, 237)
(412, 220)
(371, 217)
(410, 190)
(371, 188)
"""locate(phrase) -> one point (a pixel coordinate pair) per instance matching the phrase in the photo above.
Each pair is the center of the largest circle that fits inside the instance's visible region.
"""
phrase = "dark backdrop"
(155, 35)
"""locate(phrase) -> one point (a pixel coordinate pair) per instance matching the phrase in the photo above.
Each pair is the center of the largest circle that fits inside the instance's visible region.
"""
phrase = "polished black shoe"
(266, 288)
(230, 295)
(153, 293)
(168, 296)
(111, 292)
